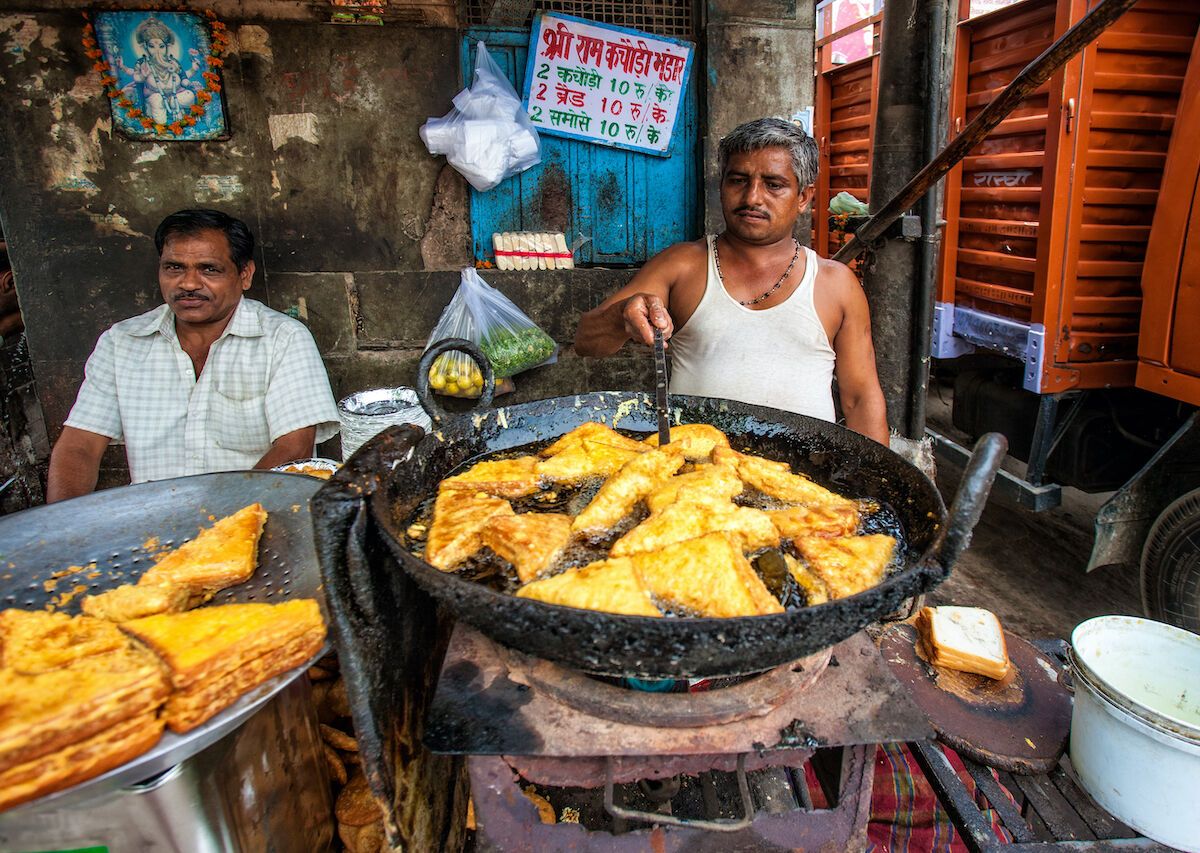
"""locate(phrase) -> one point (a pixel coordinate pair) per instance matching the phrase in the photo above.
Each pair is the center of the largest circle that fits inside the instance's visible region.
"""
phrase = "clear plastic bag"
(487, 136)
(483, 315)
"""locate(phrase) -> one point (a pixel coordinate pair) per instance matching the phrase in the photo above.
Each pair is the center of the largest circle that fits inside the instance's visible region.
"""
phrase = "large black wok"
(647, 647)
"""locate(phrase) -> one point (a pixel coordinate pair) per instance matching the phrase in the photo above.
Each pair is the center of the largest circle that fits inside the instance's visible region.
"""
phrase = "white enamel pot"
(1135, 727)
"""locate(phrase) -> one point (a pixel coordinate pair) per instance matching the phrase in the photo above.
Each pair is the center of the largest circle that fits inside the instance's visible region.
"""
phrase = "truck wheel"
(1171, 565)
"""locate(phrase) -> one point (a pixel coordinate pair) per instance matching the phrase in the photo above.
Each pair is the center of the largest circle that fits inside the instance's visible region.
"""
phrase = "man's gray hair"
(773, 133)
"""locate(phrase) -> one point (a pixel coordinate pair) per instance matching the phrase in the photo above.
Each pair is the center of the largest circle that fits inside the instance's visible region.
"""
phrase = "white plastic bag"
(487, 136)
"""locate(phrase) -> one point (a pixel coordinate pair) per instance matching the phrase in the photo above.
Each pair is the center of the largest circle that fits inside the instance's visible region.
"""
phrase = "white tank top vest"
(778, 357)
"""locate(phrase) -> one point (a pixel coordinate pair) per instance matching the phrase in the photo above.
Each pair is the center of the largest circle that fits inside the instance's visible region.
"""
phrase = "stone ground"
(1028, 567)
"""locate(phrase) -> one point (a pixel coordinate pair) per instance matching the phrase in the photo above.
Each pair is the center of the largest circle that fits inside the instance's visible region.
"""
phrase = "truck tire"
(1171, 565)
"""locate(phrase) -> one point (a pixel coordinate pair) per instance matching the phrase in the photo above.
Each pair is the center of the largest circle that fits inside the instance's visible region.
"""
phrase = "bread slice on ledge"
(968, 639)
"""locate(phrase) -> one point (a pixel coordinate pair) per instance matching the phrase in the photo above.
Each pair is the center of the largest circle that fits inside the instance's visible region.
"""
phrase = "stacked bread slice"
(77, 698)
(968, 639)
(215, 654)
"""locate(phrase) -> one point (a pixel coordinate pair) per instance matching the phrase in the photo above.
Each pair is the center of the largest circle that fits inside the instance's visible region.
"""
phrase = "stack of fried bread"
(221, 556)
(80, 695)
(215, 654)
(77, 698)
(691, 551)
(968, 639)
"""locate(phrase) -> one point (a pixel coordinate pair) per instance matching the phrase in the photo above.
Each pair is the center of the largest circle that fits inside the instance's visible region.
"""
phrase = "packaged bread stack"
(80, 695)
(77, 698)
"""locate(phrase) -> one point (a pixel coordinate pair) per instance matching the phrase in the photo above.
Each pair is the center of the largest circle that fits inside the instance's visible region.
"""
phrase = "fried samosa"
(701, 438)
(611, 586)
(35, 641)
(530, 541)
(694, 515)
(134, 601)
(501, 478)
(777, 480)
(459, 518)
(801, 522)
(847, 564)
(622, 491)
(220, 556)
(707, 576)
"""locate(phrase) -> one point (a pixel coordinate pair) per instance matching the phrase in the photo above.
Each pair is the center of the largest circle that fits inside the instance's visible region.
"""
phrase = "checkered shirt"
(263, 379)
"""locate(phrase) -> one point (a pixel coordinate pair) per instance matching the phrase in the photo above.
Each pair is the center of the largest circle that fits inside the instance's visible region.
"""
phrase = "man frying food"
(751, 314)
(209, 381)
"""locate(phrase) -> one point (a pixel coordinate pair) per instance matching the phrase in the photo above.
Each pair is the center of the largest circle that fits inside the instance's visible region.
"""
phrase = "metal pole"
(1030, 78)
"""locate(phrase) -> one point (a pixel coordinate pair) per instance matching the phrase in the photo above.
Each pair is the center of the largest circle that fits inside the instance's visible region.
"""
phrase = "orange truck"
(1069, 287)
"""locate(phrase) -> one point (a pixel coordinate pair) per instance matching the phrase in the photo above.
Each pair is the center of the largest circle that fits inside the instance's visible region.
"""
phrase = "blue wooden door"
(632, 205)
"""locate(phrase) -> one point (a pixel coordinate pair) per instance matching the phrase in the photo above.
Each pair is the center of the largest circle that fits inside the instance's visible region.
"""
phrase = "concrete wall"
(324, 162)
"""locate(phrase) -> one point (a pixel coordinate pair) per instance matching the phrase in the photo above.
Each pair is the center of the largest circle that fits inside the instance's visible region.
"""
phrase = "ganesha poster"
(162, 74)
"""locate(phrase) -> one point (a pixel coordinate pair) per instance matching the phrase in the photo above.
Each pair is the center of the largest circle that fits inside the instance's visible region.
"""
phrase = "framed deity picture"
(162, 74)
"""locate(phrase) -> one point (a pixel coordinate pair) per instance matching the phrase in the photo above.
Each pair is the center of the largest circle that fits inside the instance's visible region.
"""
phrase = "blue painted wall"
(632, 205)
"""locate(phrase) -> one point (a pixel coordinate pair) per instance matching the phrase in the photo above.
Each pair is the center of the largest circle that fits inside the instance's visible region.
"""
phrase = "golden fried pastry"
(800, 522)
(701, 438)
(621, 492)
(530, 541)
(133, 601)
(694, 515)
(777, 480)
(80, 760)
(612, 586)
(189, 707)
(33, 641)
(459, 517)
(847, 564)
(708, 576)
(221, 556)
(719, 482)
(592, 432)
(814, 588)
(589, 458)
(501, 478)
(209, 643)
(46, 712)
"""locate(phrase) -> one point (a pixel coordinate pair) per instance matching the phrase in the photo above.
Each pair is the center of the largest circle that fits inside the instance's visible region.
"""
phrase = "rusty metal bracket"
(737, 825)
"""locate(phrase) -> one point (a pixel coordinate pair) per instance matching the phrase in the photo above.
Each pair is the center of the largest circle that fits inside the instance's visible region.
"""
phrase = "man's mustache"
(757, 210)
(183, 294)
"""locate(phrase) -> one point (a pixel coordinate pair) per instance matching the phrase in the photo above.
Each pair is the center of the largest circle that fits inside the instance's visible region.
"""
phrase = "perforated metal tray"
(110, 538)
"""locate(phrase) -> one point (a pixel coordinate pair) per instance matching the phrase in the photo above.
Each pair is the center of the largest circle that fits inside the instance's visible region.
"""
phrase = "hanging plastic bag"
(844, 203)
(487, 136)
(483, 315)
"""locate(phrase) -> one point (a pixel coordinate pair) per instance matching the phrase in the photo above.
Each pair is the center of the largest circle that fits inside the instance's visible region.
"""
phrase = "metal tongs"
(661, 400)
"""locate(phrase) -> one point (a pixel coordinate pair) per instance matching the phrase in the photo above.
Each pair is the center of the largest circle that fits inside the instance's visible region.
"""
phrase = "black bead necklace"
(773, 288)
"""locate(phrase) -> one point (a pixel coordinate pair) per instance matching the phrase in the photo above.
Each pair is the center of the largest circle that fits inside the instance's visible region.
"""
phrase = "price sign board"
(605, 84)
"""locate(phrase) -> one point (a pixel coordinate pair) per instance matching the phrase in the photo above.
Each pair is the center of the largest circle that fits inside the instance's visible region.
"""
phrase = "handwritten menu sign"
(605, 84)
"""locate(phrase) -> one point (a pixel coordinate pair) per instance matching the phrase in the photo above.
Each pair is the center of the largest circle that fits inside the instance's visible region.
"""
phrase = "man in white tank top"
(752, 315)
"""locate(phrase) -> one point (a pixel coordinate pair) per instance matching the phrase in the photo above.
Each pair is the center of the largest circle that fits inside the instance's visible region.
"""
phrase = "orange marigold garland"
(218, 41)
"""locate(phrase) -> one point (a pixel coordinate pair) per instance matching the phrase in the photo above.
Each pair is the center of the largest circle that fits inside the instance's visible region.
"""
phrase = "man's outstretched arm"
(297, 444)
(75, 464)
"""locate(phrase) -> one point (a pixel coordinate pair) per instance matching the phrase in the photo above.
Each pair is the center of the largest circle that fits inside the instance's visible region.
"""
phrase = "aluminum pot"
(1135, 727)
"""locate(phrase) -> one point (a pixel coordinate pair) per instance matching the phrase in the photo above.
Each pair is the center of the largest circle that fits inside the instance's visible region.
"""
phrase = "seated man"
(210, 381)
(755, 316)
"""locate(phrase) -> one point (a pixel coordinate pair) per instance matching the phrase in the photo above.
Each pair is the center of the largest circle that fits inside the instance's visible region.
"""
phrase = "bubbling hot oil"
(493, 571)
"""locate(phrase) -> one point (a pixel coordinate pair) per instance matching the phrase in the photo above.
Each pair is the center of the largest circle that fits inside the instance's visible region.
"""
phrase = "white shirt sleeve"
(97, 408)
(298, 395)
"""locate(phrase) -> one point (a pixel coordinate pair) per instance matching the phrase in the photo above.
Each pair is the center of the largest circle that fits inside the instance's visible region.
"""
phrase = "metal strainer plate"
(112, 537)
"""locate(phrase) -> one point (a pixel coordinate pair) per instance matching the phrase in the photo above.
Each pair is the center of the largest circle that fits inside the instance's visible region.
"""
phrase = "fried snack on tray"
(621, 492)
(79, 761)
(612, 586)
(530, 541)
(847, 564)
(701, 439)
(48, 711)
(708, 576)
(777, 480)
(501, 478)
(33, 641)
(134, 601)
(459, 518)
(215, 654)
(220, 556)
